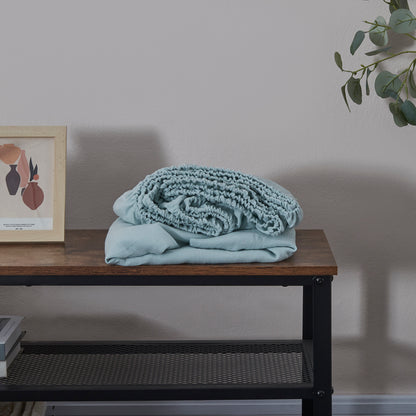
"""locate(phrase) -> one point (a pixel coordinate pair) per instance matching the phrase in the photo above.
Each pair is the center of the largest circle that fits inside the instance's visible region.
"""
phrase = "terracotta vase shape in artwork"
(33, 195)
(9, 153)
(12, 180)
(23, 170)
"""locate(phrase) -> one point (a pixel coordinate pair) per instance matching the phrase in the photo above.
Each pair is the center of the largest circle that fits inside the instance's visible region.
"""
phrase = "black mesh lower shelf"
(157, 366)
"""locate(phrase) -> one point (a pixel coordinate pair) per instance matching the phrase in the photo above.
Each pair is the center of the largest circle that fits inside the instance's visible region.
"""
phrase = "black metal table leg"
(307, 332)
(318, 300)
(321, 341)
(307, 328)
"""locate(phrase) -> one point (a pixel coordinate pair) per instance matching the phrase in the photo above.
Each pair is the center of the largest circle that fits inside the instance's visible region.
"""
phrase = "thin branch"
(364, 67)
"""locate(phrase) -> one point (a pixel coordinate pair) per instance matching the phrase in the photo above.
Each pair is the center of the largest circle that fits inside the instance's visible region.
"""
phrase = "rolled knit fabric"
(209, 201)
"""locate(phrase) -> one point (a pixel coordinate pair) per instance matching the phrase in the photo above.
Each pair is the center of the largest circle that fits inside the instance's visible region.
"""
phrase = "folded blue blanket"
(209, 201)
(132, 245)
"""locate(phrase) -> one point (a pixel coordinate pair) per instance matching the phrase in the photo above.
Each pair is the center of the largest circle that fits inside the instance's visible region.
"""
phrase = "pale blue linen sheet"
(133, 245)
(192, 214)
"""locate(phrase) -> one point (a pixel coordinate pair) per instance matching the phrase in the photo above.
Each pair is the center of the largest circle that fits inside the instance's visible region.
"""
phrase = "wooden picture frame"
(32, 183)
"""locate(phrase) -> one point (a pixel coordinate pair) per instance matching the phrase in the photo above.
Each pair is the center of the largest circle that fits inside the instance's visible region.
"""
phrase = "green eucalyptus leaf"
(354, 90)
(338, 60)
(357, 41)
(377, 51)
(402, 21)
(378, 34)
(398, 116)
(411, 85)
(345, 98)
(387, 84)
(409, 111)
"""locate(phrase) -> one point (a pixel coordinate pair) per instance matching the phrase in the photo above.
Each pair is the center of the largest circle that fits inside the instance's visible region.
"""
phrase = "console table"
(175, 370)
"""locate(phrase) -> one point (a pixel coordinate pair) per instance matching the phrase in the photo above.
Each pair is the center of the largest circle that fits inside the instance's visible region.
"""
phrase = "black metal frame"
(316, 326)
(159, 280)
(316, 339)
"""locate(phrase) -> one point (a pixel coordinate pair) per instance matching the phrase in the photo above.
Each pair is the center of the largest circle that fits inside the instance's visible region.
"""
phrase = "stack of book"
(10, 335)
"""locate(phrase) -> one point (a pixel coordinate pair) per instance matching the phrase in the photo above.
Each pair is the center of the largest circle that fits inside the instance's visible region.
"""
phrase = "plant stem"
(401, 85)
(410, 36)
(375, 24)
(387, 27)
(364, 67)
(404, 83)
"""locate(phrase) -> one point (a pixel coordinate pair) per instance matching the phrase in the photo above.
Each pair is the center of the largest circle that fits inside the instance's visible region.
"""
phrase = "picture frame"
(32, 183)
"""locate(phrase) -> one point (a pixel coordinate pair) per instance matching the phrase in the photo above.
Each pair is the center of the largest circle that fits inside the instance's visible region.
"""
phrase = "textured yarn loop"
(209, 201)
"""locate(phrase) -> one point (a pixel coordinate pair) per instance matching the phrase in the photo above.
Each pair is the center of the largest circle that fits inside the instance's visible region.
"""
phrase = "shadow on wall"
(370, 221)
(101, 165)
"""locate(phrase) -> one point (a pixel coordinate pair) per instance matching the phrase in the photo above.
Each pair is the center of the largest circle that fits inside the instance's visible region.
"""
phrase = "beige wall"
(249, 85)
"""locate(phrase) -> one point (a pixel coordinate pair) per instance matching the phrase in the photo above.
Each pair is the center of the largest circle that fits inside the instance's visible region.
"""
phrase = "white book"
(10, 331)
(9, 359)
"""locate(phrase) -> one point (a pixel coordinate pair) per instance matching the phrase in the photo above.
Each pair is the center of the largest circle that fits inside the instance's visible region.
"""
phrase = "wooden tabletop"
(83, 255)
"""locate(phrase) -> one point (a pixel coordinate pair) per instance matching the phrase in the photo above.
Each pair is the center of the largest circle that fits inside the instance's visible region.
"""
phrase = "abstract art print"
(32, 183)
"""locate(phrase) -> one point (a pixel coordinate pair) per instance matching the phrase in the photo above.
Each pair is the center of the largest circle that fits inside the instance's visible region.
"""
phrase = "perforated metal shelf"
(150, 370)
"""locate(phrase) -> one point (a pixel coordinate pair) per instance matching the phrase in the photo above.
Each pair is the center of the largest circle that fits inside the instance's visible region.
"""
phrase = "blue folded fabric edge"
(133, 245)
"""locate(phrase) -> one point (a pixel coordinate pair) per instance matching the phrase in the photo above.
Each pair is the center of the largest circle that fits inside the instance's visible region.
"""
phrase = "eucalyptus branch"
(376, 24)
(387, 84)
(364, 67)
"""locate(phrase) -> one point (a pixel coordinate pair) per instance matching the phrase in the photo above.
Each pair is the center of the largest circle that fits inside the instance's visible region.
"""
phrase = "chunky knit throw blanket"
(209, 201)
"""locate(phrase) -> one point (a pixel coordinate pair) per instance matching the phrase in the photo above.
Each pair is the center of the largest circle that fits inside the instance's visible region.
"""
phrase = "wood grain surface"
(82, 254)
